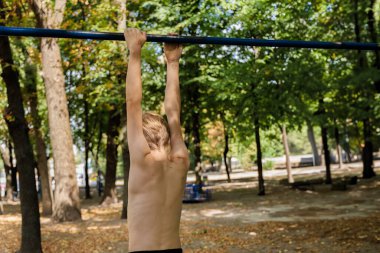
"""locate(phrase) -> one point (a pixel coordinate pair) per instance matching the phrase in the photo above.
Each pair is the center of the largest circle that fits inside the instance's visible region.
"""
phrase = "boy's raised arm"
(173, 100)
(138, 145)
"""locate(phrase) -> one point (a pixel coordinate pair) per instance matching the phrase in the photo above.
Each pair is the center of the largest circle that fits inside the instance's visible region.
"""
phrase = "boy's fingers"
(134, 32)
(173, 44)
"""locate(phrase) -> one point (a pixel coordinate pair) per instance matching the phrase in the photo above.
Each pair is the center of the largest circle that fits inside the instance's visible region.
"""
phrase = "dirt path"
(237, 220)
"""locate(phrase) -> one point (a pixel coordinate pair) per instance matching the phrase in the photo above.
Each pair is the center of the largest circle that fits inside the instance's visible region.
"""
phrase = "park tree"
(4, 144)
(193, 18)
(199, 104)
(126, 163)
(368, 166)
(77, 62)
(18, 130)
(253, 75)
(86, 83)
(280, 91)
(30, 84)
(66, 195)
(367, 152)
(373, 34)
(96, 78)
(114, 138)
(27, 59)
(2, 150)
(287, 154)
(10, 169)
(121, 26)
(7, 158)
(110, 196)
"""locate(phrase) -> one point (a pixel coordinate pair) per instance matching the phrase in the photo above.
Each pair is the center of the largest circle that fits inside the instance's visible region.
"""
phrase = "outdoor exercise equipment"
(59, 33)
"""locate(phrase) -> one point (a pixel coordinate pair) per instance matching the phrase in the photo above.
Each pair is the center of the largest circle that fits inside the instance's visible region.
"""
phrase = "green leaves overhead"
(227, 86)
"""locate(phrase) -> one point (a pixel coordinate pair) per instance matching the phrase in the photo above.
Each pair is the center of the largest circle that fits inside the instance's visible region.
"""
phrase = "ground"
(236, 220)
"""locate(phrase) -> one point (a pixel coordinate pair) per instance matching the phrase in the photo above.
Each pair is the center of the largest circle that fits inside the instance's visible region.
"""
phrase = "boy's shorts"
(159, 251)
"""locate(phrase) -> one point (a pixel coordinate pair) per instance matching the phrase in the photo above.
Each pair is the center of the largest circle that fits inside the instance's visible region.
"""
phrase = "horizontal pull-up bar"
(58, 33)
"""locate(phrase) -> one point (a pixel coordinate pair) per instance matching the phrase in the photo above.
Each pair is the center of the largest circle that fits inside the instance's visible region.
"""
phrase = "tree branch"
(59, 10)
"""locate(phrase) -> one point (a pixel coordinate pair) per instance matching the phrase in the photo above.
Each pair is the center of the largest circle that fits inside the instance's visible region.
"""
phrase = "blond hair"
(156, 131)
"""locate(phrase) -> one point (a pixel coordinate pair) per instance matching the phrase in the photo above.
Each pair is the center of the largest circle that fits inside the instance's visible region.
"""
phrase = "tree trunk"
(110, 196)
(368, 169)
(14, 182)
(8, 176)
(338, 147)
(42, 164)
(197, 147)
(259, 158)
(310, 135)
(373, 35)
(86, 148)
(367, 158)
(122, 17)
(187, 134)
(18, 129)
(1, 198)
(66, 194)
(230, 163)
(1, 205)
(326, 153)
(287, 155)
(225, 152)
(346, 144)
(86, 115)
(97, 168)
(367, 151)
(359, 142)
(126, 163)
(121, 25)
(361, 57)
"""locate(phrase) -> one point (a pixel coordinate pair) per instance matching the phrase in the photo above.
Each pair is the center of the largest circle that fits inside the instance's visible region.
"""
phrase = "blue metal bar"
(59, 33)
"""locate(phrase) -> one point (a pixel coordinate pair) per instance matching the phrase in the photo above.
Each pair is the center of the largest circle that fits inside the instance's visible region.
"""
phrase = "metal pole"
(59, 33)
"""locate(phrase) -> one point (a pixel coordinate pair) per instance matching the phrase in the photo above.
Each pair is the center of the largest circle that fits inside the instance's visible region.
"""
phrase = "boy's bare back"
(158, 175)
(156, 187)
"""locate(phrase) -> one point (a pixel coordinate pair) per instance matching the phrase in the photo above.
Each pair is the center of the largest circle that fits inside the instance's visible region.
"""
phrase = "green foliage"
(268, 165)
(299, 143)
(228, 87)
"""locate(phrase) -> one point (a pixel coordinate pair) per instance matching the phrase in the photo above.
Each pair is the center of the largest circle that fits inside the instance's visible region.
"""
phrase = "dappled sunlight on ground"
(216, 213)
(11, 218)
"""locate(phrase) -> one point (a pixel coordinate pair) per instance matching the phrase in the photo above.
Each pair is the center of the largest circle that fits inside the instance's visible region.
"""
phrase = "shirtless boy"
(159, 157)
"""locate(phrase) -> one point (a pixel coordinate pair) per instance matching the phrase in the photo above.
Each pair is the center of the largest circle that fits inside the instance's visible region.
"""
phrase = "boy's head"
(156, 131)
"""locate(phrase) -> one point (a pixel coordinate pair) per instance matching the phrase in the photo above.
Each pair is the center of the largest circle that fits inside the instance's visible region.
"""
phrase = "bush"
(268, 165)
